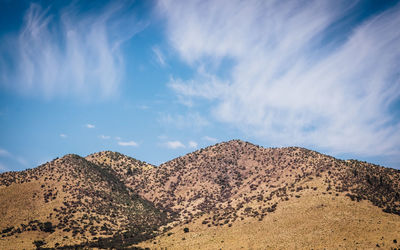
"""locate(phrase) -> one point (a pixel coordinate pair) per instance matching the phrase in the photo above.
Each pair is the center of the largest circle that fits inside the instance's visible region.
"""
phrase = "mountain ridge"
(217, 187)
(80, 200)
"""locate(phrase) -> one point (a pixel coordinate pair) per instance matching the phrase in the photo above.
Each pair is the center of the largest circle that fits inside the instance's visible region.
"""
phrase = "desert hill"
(233, 187)
(126, 168)
(230, 174)
(230, 195)
(69, 201)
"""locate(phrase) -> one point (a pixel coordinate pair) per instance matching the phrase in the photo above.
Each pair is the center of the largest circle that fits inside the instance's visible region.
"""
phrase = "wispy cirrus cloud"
(4, 153)
(293, 80)
(90, 125)
(159, 56)
(104, 137)
(191, 120)
(128, 143)
(174, 144)
(193, 144)
(210, 139)
(70, 53)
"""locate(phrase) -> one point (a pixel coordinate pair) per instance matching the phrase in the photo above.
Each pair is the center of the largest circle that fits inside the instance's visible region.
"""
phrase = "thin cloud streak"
(159, 56)
(284, 85)
(73, 53)
(193, 144)
(128, 144)
(210, 139)
(190, 120)
(4, 153)
(174, 144)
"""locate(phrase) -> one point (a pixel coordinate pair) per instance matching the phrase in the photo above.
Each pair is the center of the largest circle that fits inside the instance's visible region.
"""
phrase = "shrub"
(186, 230)
(48, 227)
(9, 229)
(38, 243)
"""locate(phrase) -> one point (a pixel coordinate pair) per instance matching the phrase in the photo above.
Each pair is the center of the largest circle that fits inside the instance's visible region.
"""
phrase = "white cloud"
(69, 53)
(159, 56)
(193, 144)
(104, 137)
(63, 136)
(143, 107)
(204, 85)
(117, 138)
(210, 139)
(162, 137)
(190, 120)
(128, 143)
(90, 126)
(174, 144)
(287, 84)
(4, 153)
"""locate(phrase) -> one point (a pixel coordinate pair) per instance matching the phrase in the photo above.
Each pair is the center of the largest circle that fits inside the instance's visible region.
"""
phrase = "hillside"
(70, 201)
(236, 185)
(224, 177)
(126, 168)
(230, 195)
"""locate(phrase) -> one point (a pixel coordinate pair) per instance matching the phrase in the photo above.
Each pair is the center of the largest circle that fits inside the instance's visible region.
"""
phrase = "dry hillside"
(71, 201)
(224, 177)
(229, 195)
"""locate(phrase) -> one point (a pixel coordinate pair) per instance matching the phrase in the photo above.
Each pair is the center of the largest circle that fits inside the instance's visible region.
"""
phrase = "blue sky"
(158, 79)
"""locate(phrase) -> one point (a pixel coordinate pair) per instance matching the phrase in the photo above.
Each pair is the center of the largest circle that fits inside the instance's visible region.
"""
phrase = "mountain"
(230, 195)
(70, 201)
(225, 191)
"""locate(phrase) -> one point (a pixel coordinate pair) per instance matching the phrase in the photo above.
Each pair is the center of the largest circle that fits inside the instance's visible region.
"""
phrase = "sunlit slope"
(71, 201)
(316, 219)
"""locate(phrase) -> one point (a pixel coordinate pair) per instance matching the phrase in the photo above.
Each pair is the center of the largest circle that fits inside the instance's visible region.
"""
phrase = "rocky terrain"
(71, 201)
(229, 195)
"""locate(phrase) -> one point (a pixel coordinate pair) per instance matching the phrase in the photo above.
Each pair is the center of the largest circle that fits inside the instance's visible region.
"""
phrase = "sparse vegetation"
(38, 243)
(109, 199)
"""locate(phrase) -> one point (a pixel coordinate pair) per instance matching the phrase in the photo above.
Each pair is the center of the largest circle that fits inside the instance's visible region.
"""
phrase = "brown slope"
(238, 195)
(82, 201)
(224, 177)
(125, 167)
(313, 221)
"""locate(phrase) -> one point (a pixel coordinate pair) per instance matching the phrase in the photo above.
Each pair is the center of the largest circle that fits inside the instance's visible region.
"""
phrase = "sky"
(158, 79)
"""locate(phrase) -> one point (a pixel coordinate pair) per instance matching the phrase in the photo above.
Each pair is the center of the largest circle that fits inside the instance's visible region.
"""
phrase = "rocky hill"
(70, 201)
(230, 195)
(226, 176)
